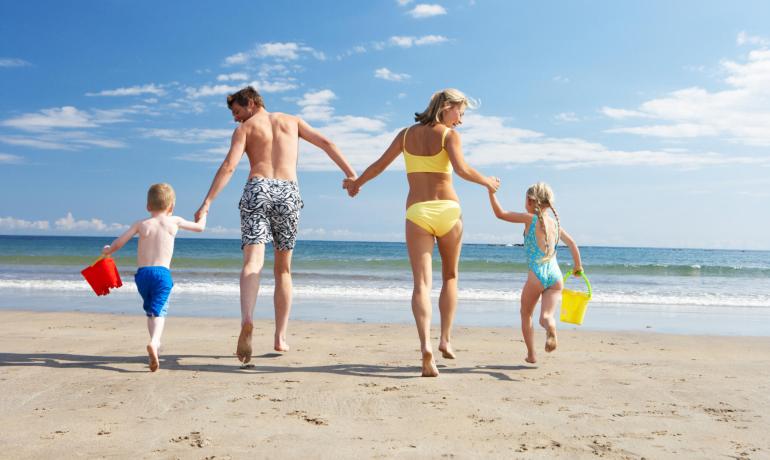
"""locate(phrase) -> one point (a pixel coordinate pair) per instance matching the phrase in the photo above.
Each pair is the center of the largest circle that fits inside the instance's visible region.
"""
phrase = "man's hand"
(351, 185)
(201, 213)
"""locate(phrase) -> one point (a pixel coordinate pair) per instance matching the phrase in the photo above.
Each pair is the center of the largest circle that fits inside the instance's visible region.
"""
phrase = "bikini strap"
(403, 145)
(443, 137)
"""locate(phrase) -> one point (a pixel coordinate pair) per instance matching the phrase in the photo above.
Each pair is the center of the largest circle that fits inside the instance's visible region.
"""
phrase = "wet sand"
(78, 385)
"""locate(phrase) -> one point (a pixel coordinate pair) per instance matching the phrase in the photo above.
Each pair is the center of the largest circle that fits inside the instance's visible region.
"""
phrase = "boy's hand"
(106, 250)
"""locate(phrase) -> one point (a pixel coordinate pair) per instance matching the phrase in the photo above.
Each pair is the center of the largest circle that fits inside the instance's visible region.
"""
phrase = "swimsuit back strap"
(403, 147)
(443, 137)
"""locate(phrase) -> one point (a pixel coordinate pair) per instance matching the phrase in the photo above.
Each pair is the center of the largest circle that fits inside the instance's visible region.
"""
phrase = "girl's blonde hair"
(440, 101)
(542, 196)
(160, 197)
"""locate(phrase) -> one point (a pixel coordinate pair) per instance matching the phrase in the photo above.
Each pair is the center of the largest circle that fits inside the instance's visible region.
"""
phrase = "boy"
(156, 246)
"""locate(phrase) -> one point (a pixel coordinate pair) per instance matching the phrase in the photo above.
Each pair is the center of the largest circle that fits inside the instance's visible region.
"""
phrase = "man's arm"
(322, 142)
(121, 240)
(225, 171)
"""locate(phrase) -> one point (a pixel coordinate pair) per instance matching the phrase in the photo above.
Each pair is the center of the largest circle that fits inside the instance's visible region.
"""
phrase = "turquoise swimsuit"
(547, 272)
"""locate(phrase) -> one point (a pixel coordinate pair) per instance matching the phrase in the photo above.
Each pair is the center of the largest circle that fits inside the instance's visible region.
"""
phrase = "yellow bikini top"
(438, 163)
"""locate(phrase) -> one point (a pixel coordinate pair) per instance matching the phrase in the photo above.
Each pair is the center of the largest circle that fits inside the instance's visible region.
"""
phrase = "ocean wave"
(391, 293)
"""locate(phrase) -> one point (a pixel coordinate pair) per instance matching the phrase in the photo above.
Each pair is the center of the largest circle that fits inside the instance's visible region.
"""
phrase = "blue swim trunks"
(154, 285)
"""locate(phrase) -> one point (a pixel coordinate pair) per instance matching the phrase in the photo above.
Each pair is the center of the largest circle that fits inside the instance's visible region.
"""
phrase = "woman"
(432, 149)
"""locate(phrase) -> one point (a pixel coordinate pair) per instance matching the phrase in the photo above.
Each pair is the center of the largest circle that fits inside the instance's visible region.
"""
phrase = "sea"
(667, 290)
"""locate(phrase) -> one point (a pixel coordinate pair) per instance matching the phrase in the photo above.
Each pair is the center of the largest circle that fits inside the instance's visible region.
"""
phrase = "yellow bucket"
(574, 303)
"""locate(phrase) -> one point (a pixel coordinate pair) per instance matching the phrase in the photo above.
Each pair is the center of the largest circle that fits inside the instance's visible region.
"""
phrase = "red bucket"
(102, 275)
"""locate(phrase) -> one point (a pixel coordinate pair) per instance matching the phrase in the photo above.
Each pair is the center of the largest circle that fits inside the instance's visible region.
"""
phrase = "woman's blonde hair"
(160, 197)
(542, 196)
(440, 101)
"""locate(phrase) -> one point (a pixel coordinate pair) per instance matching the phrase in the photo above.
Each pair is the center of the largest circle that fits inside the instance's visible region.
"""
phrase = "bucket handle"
(585, 278)
(98, 259)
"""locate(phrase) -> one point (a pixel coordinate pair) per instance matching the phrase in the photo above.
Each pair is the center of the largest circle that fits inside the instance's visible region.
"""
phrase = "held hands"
(492, 184)
(351, 185)
(201, 213)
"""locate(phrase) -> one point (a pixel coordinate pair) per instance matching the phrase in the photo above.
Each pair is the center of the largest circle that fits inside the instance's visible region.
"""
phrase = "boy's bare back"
(156, 240)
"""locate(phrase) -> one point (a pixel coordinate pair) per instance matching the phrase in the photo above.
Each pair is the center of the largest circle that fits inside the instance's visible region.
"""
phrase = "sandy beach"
(76, 385)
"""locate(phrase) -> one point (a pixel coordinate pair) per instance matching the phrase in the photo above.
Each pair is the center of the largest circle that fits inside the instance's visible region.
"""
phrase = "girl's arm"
(197, 226)
(573, 247)
(515, 217)
(122, 239)
(374, 170)
(455, 150)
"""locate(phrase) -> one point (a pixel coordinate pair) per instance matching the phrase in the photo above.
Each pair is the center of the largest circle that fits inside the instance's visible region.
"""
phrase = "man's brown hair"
(243, 96)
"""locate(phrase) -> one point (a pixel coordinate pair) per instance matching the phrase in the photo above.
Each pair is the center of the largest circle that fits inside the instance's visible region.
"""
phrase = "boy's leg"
(449, 247)
(419, 244)
(253, 261)
(551, 297)
(282, 297)
(155, 326)
(530, 294)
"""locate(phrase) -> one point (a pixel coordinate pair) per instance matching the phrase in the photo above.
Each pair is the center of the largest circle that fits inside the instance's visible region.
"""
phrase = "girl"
(541, 235)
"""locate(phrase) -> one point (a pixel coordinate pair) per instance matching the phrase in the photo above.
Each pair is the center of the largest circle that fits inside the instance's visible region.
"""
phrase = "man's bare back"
(272, 144)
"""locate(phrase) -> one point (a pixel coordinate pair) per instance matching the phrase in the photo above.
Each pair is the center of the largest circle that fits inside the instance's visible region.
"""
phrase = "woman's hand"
(351, 185)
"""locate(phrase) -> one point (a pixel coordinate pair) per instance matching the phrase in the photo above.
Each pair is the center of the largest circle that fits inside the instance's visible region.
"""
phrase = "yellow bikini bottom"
(436, 217)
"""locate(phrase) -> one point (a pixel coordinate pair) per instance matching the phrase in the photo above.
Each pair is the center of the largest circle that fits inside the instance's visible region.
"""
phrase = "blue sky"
(651, 120)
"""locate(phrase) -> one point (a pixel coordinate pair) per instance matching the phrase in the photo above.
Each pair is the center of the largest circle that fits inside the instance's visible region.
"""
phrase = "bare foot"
(530, 359)
(281, 345)
(429, 368)
(152, 353)
(551, 342)
(446, 351)
(244, 343)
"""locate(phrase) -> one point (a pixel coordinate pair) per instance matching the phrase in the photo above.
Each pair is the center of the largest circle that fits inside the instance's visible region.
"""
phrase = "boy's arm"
(197, 226)
(225, 171)
(515, 217)
(573, 247)
(374, 170)
(322, 142)
(121, 240)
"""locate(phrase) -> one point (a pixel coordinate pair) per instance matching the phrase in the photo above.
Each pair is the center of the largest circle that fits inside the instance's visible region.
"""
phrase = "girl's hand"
(578, 271)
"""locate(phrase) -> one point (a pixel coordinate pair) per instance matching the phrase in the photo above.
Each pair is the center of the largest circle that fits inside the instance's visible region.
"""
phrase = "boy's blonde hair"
(542, 196)
(440, 101)
(160, 197)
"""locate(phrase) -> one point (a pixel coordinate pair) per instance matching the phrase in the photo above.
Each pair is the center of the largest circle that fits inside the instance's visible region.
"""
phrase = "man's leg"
(253, 261)
(282, 297)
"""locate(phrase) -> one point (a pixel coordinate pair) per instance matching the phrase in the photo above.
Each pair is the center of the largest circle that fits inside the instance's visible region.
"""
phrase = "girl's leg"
(419, 244)
(530, 294)
(551, 298)
(155, 328)
(449, 247)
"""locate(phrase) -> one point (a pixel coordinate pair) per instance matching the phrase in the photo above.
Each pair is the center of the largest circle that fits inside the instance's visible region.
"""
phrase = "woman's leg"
(530, 294)
(449, 247)
(419, 244)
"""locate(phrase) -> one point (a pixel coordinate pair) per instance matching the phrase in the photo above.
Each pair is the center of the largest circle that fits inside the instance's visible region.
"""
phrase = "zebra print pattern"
(270, 212)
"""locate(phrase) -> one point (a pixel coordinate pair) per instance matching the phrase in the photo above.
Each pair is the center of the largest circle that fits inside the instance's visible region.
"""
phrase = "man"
(270, 203)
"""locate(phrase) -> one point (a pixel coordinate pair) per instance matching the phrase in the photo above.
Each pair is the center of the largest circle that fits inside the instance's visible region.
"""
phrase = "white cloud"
(386, 74)
(322, 97)
(316, 105)
(13, 62)
(11, 223)
(289, 51)
(746, 39)
(568, 117)
(188, 136)
(740, 113)
(235, 76)
(63, 117)
(424, 10)
(223, 90)
(403, 2)
(68, 223)
(7, 158)
(132, 91)
(560, 79)
(409, 41)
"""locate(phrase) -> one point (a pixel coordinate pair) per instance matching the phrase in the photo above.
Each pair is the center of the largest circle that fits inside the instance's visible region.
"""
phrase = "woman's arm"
(354, 185)
(515, 217)
(455, 150)
(573, 247)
